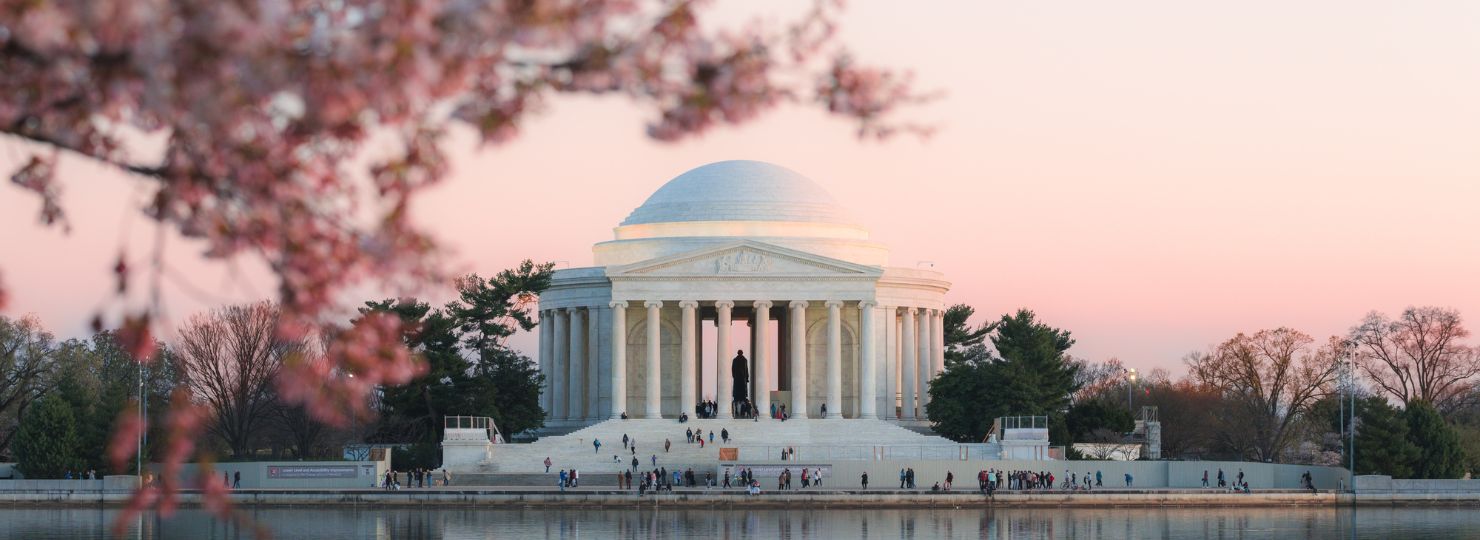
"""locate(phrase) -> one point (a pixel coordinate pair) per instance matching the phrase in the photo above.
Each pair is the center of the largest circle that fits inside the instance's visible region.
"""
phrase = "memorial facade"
(740, 245)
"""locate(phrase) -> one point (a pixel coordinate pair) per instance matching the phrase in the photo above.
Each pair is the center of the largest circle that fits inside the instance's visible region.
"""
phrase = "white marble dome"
(739, 190)
(739, 199)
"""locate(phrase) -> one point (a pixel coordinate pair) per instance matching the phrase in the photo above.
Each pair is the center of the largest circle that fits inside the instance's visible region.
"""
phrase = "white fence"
(1388, 484)
(855, 452)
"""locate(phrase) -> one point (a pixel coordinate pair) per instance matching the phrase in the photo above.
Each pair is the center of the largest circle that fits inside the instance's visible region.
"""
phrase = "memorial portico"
(732, 245)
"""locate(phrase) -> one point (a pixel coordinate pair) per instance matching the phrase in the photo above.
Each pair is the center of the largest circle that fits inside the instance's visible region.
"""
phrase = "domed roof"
(739, 190)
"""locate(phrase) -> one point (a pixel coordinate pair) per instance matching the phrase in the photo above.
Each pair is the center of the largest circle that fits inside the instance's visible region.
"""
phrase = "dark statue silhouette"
(740, 368)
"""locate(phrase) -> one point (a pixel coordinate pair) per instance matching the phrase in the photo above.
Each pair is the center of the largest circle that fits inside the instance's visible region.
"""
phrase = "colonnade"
(899, 351)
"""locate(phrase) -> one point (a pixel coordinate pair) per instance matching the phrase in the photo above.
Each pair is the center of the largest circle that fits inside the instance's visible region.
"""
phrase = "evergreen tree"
(963, 403)
(511, 390)
(46, 443)
(1031, 375)
(1439, 451)
(1036, 377)
(486, 308)
(961, 340)
(413, 412)
(497, 383)
(1095, 419)
(1383, 445)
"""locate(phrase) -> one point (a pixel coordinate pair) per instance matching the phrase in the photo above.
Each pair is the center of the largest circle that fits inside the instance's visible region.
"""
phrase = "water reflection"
(469, 523)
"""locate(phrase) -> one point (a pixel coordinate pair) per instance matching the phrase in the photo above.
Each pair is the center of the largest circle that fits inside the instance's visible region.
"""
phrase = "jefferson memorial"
(830, 322)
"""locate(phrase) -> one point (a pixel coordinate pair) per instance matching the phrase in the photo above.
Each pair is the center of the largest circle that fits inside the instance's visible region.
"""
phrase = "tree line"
(61, 401)
(1274, 395)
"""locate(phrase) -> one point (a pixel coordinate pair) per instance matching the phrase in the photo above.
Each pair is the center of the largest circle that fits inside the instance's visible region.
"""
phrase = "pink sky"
(1153, 176)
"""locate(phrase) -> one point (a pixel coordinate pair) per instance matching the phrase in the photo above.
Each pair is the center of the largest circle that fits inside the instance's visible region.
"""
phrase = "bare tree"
(229, 358)
(1269, 380)
(1418, 356)
(27, 354)
(1099, 380)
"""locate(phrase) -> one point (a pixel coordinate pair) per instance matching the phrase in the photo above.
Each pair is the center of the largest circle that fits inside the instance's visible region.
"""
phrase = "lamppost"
(1130, 401)
(354, 430)
(1351, 452)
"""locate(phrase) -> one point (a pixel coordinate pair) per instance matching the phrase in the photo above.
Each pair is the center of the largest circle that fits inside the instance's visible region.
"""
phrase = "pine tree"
(45, 445)
(1439, 451)
(1382, 440)
(1031, 375)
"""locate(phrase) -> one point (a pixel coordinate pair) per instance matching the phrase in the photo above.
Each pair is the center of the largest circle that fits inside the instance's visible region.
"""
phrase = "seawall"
(702, 498)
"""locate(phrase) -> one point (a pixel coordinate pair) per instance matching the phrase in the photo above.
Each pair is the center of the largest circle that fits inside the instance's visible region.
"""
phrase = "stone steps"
(575, 449)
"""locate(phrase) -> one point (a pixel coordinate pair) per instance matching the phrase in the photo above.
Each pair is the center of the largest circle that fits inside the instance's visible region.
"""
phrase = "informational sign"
(729, 454)
(312, 471)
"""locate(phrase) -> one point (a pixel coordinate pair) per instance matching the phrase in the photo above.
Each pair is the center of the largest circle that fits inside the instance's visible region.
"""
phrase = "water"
(458, 523)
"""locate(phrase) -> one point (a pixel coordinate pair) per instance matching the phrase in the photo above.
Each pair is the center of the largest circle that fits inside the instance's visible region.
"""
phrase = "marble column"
(868, 362)
(908, 366)
(891, 362)
(686, 357)
(547, 357)
(923, 339)
(593, 363)
(938, 342)
(561, 340)
(762, 375)
(834, 359)
(798, 357)
(724, 379)
(654, 397)
(577, 373)
(619, 359)
(699, 357)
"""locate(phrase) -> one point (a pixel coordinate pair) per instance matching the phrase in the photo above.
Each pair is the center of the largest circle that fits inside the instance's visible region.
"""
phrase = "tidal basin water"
(527, 523)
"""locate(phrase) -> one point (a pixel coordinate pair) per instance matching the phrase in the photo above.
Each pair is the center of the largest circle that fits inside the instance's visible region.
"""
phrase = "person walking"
(655, 460)
(547, 463)
(624, 441)
(562, 479)
(666, 445)
(236, 480)
(864, 481)
(949, 478)
(447, 477)
(1222, 482)
(1128, 479)
(597, 444)
(634, 463)
(1098, 480)
(724, 435)
(824, 410)
(901, 479)
(1205, 478)
(1240, 477)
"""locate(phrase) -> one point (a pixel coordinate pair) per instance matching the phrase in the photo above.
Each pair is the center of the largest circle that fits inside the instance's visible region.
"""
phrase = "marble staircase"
(756, 441)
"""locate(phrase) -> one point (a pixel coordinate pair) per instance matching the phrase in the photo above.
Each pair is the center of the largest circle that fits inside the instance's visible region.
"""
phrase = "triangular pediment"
(744, 258)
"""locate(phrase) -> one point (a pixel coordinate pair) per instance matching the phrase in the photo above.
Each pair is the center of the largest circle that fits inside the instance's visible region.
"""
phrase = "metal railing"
(473, 422)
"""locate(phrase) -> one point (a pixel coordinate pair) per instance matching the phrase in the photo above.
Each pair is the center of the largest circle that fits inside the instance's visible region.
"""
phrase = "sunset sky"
(1153, 176)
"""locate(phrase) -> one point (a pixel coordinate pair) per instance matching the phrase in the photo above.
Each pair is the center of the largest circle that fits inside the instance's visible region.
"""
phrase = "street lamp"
(1130, 401)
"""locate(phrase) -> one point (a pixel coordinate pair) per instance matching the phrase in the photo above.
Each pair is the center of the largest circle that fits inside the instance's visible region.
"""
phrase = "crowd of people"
(707, 409)
(415, 478)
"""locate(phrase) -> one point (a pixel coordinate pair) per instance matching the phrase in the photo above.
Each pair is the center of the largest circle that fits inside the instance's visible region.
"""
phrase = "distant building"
(740, 241)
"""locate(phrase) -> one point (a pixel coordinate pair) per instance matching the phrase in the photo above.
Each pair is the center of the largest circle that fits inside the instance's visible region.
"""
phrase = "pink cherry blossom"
(265, 109)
